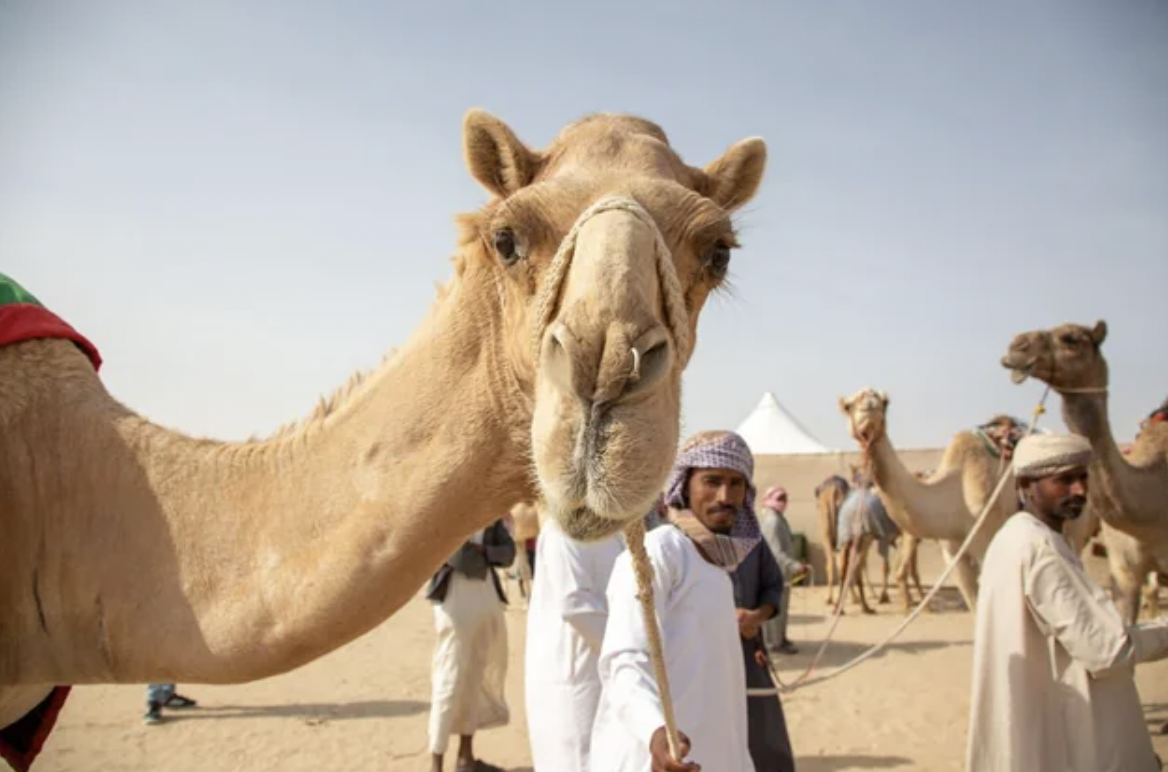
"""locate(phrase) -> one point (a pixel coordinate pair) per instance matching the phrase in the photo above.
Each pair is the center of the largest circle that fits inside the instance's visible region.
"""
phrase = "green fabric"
(11, 292)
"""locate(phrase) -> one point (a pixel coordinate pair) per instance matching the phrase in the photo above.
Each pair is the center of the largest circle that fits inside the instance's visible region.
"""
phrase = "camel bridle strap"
(676, 313)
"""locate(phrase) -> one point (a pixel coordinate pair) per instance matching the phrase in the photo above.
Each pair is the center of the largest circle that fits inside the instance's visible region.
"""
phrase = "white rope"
(981, 518)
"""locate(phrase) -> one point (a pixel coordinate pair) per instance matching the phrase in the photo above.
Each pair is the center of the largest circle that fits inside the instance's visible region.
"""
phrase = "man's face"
(1063, 496)
(781, 503)
(715, 496)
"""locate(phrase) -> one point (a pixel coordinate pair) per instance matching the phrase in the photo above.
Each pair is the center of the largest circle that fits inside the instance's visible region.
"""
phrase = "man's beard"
(1070, 508)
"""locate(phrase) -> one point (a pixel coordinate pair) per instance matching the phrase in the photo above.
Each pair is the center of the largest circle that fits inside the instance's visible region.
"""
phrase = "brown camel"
(549, 368)
(829, 496)
(946, 505)
(1129, 494)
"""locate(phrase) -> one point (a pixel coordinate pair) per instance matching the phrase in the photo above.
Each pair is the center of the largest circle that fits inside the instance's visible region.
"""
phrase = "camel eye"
(506, 247)
(718, 258)
(1069, 339)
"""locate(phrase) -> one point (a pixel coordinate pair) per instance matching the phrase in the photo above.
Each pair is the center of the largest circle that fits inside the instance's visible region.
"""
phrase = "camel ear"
(845, 406)
(1099, 334)
(495, 156)
(884, 398)
(733, 179)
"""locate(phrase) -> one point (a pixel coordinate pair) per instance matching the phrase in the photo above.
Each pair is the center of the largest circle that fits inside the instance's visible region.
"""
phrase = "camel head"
(1067, 357)
(866, 414)
(602, 250)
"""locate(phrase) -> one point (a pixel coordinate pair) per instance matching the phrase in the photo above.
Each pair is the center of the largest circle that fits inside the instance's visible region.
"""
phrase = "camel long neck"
(917, 507)
(253, 559)
(1127, 497)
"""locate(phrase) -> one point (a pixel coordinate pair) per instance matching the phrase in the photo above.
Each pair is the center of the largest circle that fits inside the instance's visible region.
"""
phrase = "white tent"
(770, 430)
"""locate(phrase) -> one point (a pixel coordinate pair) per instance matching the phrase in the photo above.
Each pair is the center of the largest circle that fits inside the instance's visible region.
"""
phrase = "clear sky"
(243, 202)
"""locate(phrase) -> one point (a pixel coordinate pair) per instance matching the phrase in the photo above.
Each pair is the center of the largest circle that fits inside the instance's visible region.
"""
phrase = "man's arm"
(624, 656)
(779, 536)
(1085, 621)
(583, 606)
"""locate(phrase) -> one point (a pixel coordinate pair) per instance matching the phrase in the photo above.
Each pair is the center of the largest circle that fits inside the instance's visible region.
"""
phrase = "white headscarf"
(1045, 455)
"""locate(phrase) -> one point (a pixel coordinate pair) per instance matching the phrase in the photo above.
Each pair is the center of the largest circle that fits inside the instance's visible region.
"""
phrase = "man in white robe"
(469, 668)
(1053, 659)
(565, 626)
(711, 527)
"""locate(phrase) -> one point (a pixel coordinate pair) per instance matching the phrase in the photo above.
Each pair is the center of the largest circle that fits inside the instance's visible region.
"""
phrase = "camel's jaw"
(1020, 368)
(599, 469)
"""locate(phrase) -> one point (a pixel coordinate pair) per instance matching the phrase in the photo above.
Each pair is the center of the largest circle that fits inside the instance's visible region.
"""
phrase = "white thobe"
(703, 659)
(565, 626)
(1053, 663)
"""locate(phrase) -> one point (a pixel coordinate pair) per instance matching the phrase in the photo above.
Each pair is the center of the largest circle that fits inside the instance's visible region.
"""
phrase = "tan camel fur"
(907, 567)
(132, 553)
(943, 507)
(829, 497)
(1129, 494)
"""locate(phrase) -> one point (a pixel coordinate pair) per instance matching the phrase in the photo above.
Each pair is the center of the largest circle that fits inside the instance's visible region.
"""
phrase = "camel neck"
(296, 544)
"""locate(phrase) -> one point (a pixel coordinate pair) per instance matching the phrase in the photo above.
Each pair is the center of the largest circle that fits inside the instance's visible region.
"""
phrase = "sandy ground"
(364, 707)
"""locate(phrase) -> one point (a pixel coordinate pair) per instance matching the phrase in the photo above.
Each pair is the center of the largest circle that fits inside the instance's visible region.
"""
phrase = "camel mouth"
(1018, 372)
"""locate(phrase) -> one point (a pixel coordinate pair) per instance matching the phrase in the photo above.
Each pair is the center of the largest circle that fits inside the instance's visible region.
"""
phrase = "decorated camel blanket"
(23, 318)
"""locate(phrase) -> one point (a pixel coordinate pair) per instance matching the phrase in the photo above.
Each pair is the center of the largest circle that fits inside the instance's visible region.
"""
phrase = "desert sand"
(365, 706)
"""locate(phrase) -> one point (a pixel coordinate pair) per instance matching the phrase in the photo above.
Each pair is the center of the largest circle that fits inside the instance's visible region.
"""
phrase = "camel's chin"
(585, 525)
(1019, 375)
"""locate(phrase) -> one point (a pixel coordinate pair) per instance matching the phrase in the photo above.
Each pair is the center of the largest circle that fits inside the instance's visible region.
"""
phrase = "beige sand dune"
(364, 707)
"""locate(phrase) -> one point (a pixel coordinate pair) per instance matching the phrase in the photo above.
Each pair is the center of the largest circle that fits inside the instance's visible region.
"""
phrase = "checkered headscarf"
(715, 450)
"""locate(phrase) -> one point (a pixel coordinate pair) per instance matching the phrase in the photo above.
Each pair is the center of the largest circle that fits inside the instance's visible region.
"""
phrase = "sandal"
(179, 701)
(480, 766)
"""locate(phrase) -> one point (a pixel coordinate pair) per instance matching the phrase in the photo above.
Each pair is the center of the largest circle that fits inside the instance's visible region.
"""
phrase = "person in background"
(776, 533)
(159, 696)
(470, 657)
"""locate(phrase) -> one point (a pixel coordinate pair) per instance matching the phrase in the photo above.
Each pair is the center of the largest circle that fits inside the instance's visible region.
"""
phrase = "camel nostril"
(652, 357)
(557, 359)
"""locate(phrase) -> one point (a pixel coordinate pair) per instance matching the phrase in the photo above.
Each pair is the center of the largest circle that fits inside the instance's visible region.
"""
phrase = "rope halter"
(677, 316)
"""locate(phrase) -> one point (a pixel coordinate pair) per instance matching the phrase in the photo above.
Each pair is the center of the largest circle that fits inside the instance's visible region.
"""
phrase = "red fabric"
(24, 321)
(21, 742)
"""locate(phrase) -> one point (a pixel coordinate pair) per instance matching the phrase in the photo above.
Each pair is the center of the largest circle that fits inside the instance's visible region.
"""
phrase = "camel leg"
(903, 569)
(965, 574)
(915, 570)
(861, 562)
(1151, 595)
(1129, 566)
(832, 574)
(884, 596)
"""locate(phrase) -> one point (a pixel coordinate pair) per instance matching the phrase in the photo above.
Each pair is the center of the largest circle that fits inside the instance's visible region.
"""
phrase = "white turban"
(1045, 455)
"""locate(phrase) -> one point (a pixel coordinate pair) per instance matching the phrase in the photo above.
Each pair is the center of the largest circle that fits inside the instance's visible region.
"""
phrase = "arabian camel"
(945, 506)
(549, 368)
(1129, 494)
(863, 520)
(829, 497)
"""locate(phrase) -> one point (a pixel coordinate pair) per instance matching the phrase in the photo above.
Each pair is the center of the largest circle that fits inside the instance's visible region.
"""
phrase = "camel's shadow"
(310, 713)
(842, 763)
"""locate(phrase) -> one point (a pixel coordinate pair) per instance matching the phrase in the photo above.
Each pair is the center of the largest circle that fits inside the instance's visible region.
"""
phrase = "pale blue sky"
(241, 203)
